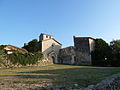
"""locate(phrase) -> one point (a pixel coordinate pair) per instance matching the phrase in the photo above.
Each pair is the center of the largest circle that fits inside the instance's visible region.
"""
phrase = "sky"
(23, 20)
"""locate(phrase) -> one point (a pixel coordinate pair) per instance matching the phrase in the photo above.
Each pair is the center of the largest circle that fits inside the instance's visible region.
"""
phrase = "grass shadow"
(69, 76)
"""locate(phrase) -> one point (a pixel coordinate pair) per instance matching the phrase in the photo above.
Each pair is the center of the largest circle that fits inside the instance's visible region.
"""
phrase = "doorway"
(53, 59)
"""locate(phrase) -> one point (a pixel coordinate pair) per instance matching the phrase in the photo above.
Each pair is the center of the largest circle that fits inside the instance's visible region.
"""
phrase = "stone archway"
(53, 56)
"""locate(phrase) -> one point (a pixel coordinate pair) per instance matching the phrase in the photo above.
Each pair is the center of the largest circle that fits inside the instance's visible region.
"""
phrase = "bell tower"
(45, 37)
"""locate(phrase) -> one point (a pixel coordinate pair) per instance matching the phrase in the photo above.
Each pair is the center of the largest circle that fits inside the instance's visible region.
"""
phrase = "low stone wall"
(111, 83)
(45, 61)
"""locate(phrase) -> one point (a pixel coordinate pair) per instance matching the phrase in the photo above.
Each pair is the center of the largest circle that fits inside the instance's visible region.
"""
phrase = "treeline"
(106, 54)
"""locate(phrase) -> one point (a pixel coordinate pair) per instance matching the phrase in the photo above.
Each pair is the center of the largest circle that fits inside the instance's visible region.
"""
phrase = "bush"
(3, 56)
(18, 58)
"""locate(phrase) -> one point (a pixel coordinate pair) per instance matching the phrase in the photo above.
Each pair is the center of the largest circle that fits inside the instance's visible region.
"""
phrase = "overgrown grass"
(67, 75)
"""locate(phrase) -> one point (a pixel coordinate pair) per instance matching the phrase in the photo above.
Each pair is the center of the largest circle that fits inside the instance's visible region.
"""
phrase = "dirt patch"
(4, 85)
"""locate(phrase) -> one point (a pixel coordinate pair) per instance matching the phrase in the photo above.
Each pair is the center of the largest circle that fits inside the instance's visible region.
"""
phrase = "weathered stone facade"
(80, 53)
(49, 46)
(66, 55)
(83, 48)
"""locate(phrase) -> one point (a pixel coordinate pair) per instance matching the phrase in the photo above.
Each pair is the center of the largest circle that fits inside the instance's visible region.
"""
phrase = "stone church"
(49, 46)
(80, 53)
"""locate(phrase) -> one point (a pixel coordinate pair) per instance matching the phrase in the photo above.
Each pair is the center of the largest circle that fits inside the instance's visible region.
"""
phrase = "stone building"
(80, 53)
(49, 46)
(10, 48)
(83, 48)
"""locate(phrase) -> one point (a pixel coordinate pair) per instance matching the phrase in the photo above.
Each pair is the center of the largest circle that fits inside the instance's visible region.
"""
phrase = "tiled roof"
(11, 47)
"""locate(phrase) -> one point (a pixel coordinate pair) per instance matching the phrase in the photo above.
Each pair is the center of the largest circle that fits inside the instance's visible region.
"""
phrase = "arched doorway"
(53, 56)
(53, 59)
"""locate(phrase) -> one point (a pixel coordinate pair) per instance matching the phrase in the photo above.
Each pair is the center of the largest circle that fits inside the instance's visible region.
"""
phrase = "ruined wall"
(82, 49)
(82, 44)
(111, 83)
(45, 61)
(82, 58)
(66, 55)
(80, 54)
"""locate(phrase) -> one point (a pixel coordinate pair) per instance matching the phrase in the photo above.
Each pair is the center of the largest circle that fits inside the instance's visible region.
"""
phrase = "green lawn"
(67, 75)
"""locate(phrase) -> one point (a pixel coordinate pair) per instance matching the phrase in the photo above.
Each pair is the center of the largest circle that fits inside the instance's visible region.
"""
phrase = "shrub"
(18, 58)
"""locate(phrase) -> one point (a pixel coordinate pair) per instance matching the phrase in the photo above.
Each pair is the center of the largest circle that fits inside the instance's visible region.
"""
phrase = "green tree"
(32, 46)
(115, 45)
(102, 53)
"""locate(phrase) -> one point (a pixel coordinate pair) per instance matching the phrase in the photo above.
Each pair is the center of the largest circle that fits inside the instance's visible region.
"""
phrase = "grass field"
(67, 75)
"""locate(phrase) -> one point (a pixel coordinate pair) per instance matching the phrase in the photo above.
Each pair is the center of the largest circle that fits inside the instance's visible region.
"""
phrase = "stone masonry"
(80, 53)
(66, 55)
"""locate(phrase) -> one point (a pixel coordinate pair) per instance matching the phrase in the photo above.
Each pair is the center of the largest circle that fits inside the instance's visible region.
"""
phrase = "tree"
(32, 46)
(101, 54)
(115, 45)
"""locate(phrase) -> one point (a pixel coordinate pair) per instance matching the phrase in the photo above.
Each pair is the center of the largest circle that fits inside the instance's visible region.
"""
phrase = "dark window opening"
(46, 36)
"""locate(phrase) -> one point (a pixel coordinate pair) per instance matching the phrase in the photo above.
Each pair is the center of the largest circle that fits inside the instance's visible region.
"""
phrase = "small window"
(46, 36)
(53, 44)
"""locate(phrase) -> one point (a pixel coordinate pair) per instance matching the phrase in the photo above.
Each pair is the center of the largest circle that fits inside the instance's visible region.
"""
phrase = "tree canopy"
(33, 46)
(101, 54)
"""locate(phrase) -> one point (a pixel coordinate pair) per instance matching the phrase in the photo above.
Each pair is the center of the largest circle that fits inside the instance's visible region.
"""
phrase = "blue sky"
(23, 20)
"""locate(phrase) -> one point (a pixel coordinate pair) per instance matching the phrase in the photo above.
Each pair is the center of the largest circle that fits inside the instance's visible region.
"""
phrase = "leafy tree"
(115, 45)
(101, 54)
(32, 46)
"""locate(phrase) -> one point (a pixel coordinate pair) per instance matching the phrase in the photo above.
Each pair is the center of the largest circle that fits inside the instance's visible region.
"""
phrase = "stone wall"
(45, 61)
(111, 83)
(66, 55)
(82, 44)
(70, 55)
(82, 49)
(82, 58)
